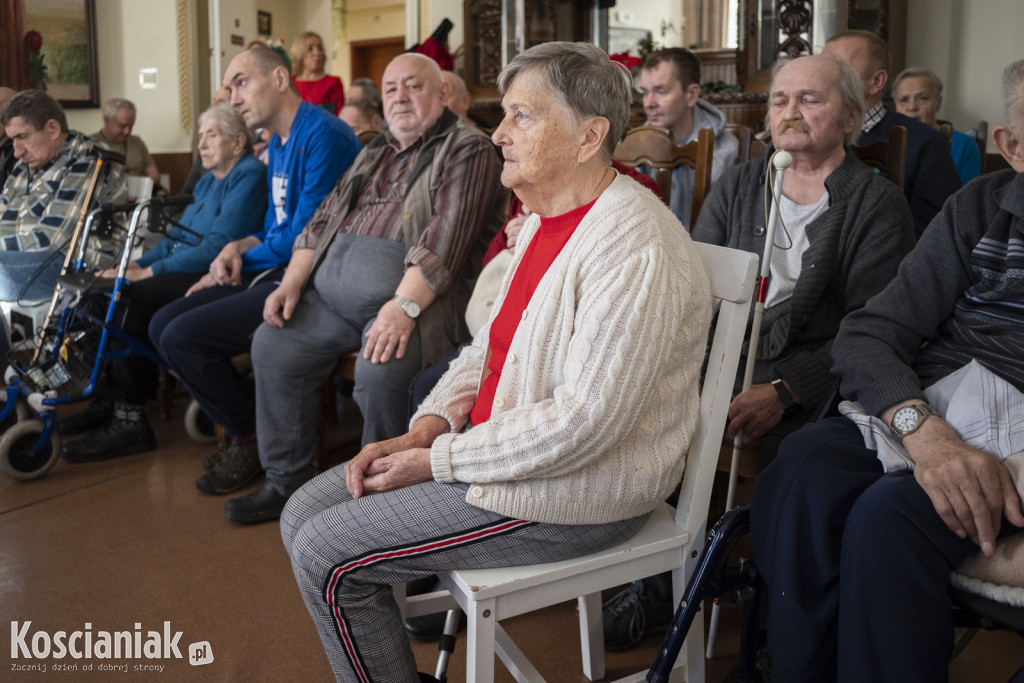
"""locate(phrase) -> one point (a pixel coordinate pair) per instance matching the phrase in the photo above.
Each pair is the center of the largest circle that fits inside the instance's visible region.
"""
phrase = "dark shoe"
(634, 613)
(120, 437)
(235, 466)
(429, 627)
(427, 678)
(260, 506)
(95, 415)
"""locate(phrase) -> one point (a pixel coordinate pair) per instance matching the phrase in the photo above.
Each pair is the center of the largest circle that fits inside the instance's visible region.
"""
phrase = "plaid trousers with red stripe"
(347, 552)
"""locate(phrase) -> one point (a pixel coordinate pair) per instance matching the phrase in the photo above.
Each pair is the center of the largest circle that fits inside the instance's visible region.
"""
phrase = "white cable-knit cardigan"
(598, 397)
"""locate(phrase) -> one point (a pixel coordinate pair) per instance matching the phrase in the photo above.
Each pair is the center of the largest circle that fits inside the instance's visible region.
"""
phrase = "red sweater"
(540, 254)
(326, 91)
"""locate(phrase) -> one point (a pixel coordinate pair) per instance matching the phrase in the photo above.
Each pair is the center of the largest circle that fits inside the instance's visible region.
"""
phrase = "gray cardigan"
(959, 296)
(855, 249)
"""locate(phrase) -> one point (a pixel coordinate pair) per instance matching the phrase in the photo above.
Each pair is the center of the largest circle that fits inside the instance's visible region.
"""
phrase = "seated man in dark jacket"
(859, 521)
(931, 175)
(842, 234)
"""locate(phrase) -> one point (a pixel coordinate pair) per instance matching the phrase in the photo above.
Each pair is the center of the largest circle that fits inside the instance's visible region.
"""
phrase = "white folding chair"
(671, 539)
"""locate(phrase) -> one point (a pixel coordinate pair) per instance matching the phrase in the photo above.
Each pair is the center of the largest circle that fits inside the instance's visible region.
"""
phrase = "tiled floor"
(132, 541)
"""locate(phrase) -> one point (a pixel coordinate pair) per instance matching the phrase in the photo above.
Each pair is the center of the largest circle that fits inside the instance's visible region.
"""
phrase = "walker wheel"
(19, 415)
(198, 424)
(17, 459)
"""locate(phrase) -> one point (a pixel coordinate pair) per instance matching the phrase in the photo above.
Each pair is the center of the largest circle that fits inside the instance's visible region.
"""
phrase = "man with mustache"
(842, 233)
(385, 265)
(670, 85)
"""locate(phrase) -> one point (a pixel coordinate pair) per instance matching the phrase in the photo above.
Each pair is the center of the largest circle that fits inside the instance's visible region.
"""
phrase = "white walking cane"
(781, 160)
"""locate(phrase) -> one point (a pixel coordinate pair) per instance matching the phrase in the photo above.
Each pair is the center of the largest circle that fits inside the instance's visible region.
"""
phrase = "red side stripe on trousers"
(409, 551)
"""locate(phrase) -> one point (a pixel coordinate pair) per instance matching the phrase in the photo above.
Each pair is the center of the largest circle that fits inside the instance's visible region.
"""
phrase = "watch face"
(905, 419)
(413, 309)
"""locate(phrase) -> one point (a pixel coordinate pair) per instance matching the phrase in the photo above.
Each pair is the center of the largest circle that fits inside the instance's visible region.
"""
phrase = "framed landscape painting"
(61, 41)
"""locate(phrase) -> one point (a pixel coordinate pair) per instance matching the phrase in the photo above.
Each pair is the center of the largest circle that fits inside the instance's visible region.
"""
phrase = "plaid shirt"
(872, 117)
(39, 208)
(472, 176)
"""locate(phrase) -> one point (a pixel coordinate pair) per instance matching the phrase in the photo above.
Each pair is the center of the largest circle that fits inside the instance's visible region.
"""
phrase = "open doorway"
(369, 58)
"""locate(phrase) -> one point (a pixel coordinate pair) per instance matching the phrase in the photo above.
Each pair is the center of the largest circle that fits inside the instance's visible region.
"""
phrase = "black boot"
(126, 433)
(95, 415)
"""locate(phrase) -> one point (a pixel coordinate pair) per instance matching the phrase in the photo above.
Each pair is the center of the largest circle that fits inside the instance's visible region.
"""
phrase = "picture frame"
(62, 51)
(264, 23)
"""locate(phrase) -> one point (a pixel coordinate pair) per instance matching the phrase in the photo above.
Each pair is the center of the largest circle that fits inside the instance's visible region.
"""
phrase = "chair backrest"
(980, 135)
(139, 187)
(732, 274)
(655, 147)
(888, 156)
(946, 129)
(750, 146)
(368, 136)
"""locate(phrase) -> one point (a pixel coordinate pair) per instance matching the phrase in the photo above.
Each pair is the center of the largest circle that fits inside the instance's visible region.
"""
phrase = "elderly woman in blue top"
(917, 93)
(229, 204)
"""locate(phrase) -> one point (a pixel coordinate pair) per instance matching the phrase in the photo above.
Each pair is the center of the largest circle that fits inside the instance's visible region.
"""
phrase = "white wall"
(967, 43)
(132, 35)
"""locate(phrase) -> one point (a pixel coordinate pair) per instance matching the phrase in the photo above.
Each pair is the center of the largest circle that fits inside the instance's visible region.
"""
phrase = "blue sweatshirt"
(302, 171)
(224, 210)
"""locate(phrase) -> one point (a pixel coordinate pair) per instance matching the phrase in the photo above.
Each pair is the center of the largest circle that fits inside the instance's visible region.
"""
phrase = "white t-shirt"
(790, 244)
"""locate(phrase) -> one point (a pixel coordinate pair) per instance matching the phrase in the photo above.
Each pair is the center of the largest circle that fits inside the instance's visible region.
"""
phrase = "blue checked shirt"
(39, 208)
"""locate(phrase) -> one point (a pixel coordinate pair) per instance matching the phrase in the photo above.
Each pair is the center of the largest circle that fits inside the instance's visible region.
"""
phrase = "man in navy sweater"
(930, 172)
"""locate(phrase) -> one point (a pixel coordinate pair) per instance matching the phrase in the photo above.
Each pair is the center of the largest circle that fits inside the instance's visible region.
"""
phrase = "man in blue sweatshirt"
(200, 333)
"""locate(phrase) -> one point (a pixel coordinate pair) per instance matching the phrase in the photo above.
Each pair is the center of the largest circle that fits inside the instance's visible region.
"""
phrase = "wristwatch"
(789, 405)
(411, 308)
(909, 419)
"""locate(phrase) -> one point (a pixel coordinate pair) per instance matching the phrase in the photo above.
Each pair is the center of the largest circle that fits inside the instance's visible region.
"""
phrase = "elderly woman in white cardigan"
(558, 430)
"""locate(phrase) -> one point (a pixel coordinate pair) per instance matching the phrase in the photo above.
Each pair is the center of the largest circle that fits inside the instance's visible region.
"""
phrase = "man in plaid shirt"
(45, 193)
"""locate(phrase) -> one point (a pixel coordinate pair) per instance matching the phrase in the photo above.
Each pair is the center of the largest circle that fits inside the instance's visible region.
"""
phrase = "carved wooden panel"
(794, 24)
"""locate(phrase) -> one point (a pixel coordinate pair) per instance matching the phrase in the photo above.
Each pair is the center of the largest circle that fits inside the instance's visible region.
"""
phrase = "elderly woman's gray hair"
(229, 122)
(919, 72)
(851, 95)
(582, 78)
(1013, 97)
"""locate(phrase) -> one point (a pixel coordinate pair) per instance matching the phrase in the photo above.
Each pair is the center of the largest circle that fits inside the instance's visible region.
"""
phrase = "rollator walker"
(65, 363)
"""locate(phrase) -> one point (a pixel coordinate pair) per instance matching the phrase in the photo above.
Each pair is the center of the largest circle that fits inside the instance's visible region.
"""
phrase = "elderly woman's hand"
(406, 459)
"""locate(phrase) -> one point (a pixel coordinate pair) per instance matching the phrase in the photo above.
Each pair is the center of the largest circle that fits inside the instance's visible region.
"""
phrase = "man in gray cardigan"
(857, 559)
(843, 233)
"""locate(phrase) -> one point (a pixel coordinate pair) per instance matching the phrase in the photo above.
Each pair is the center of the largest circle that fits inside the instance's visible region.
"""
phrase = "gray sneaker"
(233, 466)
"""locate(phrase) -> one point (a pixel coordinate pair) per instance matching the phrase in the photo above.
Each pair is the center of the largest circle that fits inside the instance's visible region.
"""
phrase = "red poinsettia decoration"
(34, 41)
(625, 59)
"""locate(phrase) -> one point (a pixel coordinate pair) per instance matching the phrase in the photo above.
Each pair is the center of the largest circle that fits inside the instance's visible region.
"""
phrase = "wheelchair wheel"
(17, 459)
(198, 424)
(20, 413)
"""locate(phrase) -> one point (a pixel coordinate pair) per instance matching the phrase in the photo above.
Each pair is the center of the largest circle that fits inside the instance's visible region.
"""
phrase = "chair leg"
(591, 636)
(480, 642)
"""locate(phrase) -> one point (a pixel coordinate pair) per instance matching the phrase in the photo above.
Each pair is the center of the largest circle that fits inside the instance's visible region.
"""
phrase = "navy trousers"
(856, 563)
(199, 334)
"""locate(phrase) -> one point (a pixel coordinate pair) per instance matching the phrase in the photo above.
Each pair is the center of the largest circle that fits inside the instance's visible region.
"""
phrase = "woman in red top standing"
(314, 86)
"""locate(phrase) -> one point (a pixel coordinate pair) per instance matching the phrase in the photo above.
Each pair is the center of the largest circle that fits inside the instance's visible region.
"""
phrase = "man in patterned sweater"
(858, 522)
(45, 192)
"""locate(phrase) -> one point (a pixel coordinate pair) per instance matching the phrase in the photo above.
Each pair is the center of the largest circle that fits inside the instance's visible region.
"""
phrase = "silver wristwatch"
(909, 419)
(411, 308)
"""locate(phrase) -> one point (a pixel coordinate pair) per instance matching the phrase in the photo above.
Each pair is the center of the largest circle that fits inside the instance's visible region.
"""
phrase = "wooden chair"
(671, 539)
(946, 129)
(750, 146)
(887, 156)
(655, 147)
(368, 136)
(980, 135)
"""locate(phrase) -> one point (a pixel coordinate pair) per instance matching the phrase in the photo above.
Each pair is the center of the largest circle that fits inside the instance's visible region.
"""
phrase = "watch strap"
(789, 403)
